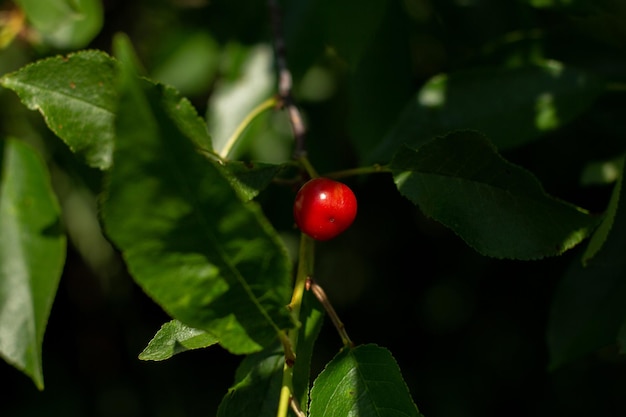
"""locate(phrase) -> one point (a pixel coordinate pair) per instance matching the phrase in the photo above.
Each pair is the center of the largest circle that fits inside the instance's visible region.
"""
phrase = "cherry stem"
(320, 294)
(376, 168)
(308, 167)
(254, 113)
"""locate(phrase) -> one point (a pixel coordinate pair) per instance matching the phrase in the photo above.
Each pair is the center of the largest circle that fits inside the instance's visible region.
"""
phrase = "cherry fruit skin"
(324, 208)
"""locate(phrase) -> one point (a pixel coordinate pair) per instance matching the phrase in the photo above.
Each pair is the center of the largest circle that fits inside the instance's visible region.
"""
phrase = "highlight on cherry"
(324, 208)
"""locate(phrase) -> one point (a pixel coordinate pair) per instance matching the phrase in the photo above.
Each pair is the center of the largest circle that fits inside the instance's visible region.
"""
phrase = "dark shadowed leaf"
(364, 381)
(348, 27)
(604, 229)
(512, 106)
(498, 208)
(32, 254)
(311, 319)
(175, 337)
(257, 386)
(589, 307)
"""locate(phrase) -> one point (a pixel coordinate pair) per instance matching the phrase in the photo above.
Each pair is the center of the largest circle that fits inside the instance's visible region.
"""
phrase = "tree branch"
(285, 82)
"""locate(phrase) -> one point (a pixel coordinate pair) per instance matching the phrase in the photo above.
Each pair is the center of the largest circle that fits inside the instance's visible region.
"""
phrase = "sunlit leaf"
(498, 208)
(175, 337)
(32, 254)
(76, 96)
(207, 257)
(364, 381)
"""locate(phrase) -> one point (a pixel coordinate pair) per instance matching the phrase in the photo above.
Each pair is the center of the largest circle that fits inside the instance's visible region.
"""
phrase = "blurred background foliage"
(468, 332)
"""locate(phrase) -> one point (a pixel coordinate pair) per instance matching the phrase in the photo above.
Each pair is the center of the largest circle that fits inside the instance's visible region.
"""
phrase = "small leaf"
(589, 306)
(32, 254)
(175, 337)
(364, 381)
(257, 386)
(498, 208)
(76, 96)
(209, 259)
(249, 179)
(67, 24)
(538, 99)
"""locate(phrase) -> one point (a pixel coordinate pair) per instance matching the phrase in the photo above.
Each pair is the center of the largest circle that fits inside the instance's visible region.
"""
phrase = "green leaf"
(365, 381)
(175, 337)
(184, 114)
(600, 235)
(32, 254)
(209, 259)
(512, 106)
(256, 391)
(259, 377)
(311, 320)
(589, 306)
(498, 208)
(67, 24)
(77, 98)
(249, 179)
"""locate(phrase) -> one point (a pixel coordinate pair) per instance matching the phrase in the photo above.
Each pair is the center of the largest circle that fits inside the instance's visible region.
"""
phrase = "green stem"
(305, 271)
(358, 171)
(232, 140)
(308, 167)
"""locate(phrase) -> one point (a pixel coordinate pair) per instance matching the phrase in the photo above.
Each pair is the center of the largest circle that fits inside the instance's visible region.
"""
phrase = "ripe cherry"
(324, 208)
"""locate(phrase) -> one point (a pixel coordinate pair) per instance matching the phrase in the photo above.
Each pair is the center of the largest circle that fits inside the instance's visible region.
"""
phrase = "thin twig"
(285, 82)
(295, 407)
(320, 294)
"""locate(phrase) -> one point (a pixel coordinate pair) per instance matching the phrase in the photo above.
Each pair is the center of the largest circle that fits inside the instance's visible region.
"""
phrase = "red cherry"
(324, 208)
